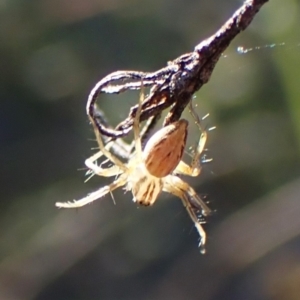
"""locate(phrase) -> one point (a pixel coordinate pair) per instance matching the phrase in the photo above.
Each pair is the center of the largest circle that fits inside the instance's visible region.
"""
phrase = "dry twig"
(174, 84)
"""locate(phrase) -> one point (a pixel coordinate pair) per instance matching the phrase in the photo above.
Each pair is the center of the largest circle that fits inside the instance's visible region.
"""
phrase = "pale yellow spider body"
(152, 170)
(160, 157)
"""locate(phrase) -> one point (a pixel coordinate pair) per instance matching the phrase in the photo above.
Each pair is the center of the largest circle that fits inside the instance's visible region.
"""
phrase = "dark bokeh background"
(52, 53)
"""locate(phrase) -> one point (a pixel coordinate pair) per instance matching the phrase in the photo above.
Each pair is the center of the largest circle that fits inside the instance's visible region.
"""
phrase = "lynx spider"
(152, 170)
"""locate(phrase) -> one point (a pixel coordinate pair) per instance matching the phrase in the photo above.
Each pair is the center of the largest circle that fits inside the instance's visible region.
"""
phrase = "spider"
(151, 170)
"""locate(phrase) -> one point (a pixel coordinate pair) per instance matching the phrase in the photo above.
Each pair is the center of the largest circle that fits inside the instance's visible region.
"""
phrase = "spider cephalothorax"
(152, 170)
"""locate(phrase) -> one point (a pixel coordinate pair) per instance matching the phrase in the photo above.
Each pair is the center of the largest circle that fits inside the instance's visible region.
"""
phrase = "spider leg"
(150, 124)
(104, 150)
(95, 195)
(183, 186)
(107, 172)
(203, 136)
(183, 195)
(117, 146)
(120, 148)
(196, 221)
(194, 169)
(119, 167)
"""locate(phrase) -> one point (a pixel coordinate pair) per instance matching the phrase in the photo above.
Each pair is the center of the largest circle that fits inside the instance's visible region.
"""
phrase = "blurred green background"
(52, 53)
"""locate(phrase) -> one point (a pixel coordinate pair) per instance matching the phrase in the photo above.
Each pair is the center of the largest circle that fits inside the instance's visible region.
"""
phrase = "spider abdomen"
(164, 149)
